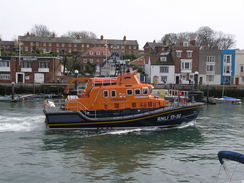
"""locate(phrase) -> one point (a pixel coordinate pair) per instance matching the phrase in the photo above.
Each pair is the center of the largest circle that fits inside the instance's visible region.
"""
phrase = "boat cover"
(230, 98)
(231, 156)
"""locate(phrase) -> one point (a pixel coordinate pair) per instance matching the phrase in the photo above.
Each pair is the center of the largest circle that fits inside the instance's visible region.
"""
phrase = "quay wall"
(213, 90)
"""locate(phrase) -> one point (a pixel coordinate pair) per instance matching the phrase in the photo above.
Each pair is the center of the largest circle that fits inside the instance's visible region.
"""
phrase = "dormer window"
(185, 44)
(163, 59)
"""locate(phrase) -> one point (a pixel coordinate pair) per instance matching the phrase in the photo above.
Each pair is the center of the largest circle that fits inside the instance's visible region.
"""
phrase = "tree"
(81, 35)
(205, 38)
(41, 31)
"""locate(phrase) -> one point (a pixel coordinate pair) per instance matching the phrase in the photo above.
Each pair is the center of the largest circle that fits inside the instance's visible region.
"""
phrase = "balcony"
(26, 69)
(5, 69)
(43, 69)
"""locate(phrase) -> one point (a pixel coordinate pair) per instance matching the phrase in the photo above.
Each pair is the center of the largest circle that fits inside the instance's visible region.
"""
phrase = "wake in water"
(20, 123)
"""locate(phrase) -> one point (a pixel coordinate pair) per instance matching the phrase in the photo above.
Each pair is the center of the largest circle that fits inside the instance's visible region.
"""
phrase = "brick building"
(26, 69)
(7, 46)
(186, 59)
(66, 45)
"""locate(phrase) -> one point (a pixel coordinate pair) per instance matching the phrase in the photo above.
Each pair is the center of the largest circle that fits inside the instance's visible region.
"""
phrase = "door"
(19, 77)
(177, 79)
(39, 77)
(237, 81)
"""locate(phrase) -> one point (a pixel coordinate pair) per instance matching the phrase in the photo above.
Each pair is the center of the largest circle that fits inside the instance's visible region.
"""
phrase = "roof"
(6, 43)
(72, 40)
(153, 45)
(155, 59)
(139, 61)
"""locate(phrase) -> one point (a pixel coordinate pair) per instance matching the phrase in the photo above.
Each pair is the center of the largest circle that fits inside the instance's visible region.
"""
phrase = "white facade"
(239, 67)
(162, 74)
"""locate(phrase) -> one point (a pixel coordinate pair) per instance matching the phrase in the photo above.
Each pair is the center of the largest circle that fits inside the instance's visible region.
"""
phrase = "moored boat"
(118, 102)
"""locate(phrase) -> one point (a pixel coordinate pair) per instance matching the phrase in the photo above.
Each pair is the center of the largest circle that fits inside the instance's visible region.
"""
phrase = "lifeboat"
(116, 102)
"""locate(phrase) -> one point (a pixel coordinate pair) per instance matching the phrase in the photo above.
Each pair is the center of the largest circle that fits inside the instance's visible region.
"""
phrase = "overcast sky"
(141, 20)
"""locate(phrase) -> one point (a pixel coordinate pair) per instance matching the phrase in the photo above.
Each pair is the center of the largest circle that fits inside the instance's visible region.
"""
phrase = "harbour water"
(30, 153)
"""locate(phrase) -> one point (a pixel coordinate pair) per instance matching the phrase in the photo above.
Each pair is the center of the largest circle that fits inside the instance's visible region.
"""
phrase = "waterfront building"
(66, 45)
(227, 67)
(159, 64)
(95, 56)
(186, 59)
(239, 67)
(209, 67)
(26, 69)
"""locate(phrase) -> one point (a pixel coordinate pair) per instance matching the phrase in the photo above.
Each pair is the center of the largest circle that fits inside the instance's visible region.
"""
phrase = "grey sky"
(142, 20)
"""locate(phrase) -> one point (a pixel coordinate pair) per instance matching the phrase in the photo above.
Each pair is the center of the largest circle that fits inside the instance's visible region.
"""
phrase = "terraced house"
(66, 45)
(29, 69)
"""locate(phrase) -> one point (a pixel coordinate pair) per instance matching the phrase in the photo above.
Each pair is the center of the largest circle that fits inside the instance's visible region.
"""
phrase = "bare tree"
(205, 38)
(41, 31)
(81, 35)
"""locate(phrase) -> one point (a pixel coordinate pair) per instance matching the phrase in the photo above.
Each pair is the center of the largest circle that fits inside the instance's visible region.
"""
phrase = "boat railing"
(58, 105)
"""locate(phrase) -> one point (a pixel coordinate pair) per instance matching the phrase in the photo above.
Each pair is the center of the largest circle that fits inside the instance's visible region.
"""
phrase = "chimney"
(101, 37)
(154, 41)
(124, 38)
(27, 34)
(53, 35)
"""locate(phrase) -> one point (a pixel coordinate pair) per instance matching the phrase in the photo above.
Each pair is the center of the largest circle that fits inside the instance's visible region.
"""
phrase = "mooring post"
(12, 84)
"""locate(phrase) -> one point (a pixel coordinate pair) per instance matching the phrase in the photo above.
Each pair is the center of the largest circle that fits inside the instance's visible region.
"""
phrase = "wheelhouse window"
(145, 90)
(105, 94)
(129, 92)
(137, 91)
(113, 93)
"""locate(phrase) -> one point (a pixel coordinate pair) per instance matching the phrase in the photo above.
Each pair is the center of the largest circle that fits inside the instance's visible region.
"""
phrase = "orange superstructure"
(117, 93)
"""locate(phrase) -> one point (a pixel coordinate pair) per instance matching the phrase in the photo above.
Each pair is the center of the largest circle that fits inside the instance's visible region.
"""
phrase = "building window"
(185, 44)
(91, 60)
(4, 63)
(227, 69)
(210, 78)
(98, 53)
(210, 59)
(164, 79)
(189, 54)
(242, 79)
(227, 59)
(129, 47)
(137, 91)
(242, 69)
(37, 44)
(85, 60)
(186, 65)
(44, 64)
(178, 53)
(57, 44)
(164, 69)
(134, 47)
(4, 76)
(50, 44)
(129, 92)
(105, 94)
(25, 64)
(210, 68)
(113, 93)
(90, 53)
(163, 59)
(44, 44)
(26, 48)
